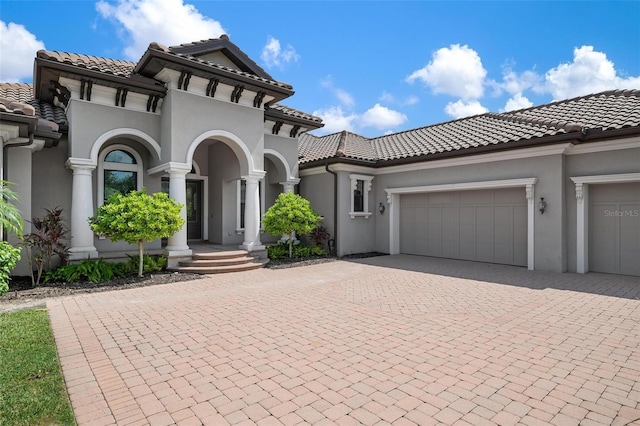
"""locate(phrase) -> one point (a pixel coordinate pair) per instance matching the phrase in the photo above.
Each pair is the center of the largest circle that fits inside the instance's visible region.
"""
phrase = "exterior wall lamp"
(542, 205)
(381, 208)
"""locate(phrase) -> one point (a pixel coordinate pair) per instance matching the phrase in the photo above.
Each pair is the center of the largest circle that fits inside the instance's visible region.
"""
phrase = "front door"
(194, 209)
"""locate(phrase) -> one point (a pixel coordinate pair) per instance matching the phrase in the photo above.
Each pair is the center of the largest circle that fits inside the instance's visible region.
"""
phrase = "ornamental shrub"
(46, 242)
(9, 257)
(138, 217)
(290, 213)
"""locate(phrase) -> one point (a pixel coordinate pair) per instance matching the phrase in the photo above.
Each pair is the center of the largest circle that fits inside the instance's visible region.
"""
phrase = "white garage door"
(614, 228)
(482, 225)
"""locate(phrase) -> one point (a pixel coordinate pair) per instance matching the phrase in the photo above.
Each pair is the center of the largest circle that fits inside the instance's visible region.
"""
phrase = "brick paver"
(389, 340)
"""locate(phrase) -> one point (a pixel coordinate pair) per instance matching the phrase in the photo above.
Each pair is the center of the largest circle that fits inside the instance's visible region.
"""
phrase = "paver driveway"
(388, 340)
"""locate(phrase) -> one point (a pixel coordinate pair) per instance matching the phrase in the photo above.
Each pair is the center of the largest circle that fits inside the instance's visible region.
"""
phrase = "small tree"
(290, 213)
(137, 218)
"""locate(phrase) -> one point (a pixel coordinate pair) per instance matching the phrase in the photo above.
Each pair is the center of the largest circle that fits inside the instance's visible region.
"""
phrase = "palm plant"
(10, 218)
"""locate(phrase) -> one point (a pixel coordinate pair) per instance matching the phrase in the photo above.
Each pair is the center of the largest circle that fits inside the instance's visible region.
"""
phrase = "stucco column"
(177, 243)
(81, 246)
(252, 214)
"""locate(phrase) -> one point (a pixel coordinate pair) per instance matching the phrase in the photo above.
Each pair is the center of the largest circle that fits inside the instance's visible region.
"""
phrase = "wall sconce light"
(542, 205)
(381, 208)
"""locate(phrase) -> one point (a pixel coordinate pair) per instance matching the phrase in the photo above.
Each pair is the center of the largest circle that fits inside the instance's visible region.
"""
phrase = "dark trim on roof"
(227, 48)
(276, 115)
(154, 59)
(137, 83)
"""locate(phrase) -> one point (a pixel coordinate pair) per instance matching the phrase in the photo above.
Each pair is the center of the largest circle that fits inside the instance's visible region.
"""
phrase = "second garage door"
(480, 225)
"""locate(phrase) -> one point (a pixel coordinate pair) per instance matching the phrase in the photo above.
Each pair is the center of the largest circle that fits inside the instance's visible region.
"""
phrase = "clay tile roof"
(18, 98)
(615, 109)
(294, 112)
(114, 67)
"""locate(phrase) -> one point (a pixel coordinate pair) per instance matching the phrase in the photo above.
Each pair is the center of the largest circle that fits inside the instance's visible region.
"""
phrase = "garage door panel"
(614, 228)
(630, 239)
(470, 225)
(520, 224)
(509, 196)
(407, 230)
(484, 196)
(420, 230)
(503, 226)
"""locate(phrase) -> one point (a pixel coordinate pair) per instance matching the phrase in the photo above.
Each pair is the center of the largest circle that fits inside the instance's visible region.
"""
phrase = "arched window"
(119, 171)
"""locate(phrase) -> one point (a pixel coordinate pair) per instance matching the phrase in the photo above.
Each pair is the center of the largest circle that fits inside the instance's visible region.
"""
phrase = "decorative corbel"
(294, 132)
(62, 93)
(212, 86)
(579, 192)
(237, 93)
(529, 189)
(187, 79)
(257, 101)
(389, 198)
(121, 96)
(181, 79)
(152, 103)
(276, 127)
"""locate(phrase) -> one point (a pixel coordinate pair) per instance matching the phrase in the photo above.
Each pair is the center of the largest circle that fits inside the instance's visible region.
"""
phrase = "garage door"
(480, 225)
(614, 228)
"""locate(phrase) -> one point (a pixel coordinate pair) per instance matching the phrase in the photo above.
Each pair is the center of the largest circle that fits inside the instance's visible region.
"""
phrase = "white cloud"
(461, 109)
(517, 101)
(168, 22)
(382, 117)
(590, 72)
(515, 83)
(411, 100)
(274, 56)
(456, 70)
(336, 120)
(18, 49)
(345, 98)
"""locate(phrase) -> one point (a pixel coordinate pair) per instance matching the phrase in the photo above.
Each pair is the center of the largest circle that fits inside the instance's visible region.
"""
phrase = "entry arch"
(247, 165)
(147, 141)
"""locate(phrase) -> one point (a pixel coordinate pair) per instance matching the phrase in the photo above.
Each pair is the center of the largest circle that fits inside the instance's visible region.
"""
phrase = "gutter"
(335, 206)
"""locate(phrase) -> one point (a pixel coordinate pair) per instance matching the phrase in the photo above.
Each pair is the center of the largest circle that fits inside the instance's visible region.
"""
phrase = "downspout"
(335, 206)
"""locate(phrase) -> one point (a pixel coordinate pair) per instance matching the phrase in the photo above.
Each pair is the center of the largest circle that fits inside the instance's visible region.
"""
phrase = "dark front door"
(194, 209)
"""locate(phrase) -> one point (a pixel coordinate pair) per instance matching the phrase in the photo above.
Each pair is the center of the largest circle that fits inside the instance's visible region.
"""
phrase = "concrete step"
(254, 264)
(219, 262)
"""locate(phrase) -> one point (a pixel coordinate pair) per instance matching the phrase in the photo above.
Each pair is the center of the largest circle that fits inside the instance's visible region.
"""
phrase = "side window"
(360, 188)
(119, 172)
(358, 196)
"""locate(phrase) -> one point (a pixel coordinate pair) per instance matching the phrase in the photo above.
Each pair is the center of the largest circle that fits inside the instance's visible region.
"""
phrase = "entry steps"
(220, 262)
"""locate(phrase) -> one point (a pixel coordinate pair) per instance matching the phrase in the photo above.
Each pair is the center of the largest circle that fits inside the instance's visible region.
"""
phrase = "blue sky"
(371, 67)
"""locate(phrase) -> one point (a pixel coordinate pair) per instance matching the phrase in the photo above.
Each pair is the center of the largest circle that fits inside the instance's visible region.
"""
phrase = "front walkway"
(390, 340)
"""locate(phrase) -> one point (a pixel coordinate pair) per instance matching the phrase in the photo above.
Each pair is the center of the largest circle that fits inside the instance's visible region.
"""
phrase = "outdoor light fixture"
(381, 208)
(542, 205)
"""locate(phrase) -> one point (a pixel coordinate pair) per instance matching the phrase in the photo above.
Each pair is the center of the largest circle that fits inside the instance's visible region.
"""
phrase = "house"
(554, 187)
(200, 120)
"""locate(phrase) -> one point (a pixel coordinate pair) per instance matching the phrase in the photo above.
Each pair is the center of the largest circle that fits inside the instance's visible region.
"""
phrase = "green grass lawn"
(32, 391)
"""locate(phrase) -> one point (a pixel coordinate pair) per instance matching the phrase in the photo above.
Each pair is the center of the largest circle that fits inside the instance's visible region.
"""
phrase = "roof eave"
(71, 71)
(277, 92)
(274, 115)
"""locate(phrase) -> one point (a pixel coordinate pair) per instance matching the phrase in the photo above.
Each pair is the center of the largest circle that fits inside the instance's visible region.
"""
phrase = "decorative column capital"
(80, 165)
(254, 177)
